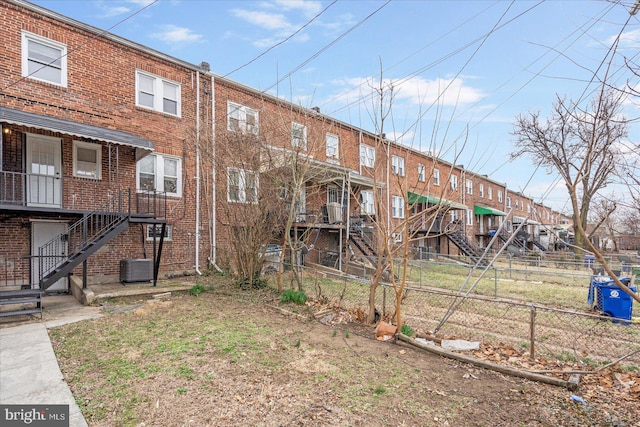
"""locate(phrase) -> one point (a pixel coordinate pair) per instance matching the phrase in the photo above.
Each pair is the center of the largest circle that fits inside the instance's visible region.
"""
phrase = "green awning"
(415, 198)
(484, 210)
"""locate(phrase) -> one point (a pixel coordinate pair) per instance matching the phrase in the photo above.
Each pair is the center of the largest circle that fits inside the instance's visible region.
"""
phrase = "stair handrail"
(83, 232)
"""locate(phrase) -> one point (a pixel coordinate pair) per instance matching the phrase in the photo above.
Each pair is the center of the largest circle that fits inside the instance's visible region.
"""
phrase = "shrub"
(297, 297)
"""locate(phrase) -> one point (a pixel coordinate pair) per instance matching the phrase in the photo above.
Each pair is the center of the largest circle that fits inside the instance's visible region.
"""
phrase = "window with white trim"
(453, 182)
(241, 118)
(332, 142)
(481, 190)
(397, 165)
(242, 186)
(366, 202)
(158, 172)
(298, 136)
(454, 215)
(436, 177)
(469, 217)
(157, 94)
(469, 185)
(87, 160)
(397, 207)
(490, 193)
(422, 172)
(155, 230)
(500, 196)
(367, 156)
(397, 237)
(44, 59)
(508, 201)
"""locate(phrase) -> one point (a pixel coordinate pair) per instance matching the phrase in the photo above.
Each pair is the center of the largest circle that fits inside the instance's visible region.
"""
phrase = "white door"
(44, 183)
(43, 232)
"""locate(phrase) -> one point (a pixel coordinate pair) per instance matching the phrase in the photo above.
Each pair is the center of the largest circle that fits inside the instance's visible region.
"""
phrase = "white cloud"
(109, 12)
(628, 39)
(269, 21)
(309, 8)
(176, 35)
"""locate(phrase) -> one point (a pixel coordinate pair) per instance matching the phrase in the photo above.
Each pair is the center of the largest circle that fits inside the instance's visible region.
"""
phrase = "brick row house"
(112, 151)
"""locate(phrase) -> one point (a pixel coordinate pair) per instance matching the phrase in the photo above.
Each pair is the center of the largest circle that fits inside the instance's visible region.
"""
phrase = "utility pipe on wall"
(197, 232)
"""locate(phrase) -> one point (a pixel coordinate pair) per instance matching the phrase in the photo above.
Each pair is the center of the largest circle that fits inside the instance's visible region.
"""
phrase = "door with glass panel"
(44, 183)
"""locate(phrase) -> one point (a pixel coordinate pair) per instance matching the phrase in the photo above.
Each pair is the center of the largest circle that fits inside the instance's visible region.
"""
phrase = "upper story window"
(469, 185)
(436, 177)
(397, 207)
(44, 59)
(157, 94)
(422, 173)
(366, 202)
(469, 217)
(298, 136)
(397, 165)
(508, 201)
(332, 142)
(242, 186)
(481, 190)
(453, 181)
(158, 172)
(87, 160)
(490, 193)
(241, 118)
(500, 196)
(517, 202)
(367, 156)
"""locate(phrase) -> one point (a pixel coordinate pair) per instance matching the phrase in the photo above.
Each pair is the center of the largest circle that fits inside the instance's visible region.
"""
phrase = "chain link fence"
(494, 313)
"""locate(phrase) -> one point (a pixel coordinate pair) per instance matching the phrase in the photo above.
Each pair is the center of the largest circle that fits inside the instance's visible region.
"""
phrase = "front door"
(44, 183)
(43, 232)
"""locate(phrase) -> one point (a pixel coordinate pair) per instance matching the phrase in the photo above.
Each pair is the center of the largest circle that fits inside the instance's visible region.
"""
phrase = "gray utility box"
(136, 270)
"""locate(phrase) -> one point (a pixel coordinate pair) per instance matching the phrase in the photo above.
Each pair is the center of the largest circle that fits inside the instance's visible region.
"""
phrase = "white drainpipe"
(212, 257)
(197, 231)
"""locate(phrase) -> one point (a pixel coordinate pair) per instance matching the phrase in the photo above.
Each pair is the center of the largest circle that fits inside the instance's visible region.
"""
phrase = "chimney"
(316, 109)
(204, 66)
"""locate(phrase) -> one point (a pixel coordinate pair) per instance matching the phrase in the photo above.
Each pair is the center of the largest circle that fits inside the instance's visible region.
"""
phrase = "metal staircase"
(62, 254)
(539, 246)
(458, 238)
(361, 241)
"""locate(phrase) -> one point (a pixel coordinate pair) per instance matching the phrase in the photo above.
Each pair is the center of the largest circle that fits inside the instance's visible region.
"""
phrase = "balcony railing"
(72, 193)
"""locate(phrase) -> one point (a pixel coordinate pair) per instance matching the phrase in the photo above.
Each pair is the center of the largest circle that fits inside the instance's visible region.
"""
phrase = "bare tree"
(581, 144)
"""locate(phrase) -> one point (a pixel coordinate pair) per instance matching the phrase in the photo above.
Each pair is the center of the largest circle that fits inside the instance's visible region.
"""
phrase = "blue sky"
(461, 70)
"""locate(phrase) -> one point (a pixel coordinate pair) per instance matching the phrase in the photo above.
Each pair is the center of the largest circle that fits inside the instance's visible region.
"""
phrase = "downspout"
(197, 231)
(213, 250)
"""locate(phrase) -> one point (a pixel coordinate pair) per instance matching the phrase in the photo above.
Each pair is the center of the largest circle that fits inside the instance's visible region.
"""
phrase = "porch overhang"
(432, 200)
(485, 210)
(22, 118)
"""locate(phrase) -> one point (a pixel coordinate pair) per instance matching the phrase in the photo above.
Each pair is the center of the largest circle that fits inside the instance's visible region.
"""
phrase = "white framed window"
(454, 215)
(500, 196)
(366, 202)
(508, 201)
(469, 186)
(397, 207)
(87, 160)
(436, 177)
(453, 182)
(367, 156)
(158, 172)
(298, 136)
(397, 237)
(44, 59)
(334, 194)
(157, 94)
(242, 186)
(332, 142)
(489, 193)
(469, 217)
(481, 190)
(241, 118)
(397, 165)
(516, 203)
(155, 230)
(422, 172)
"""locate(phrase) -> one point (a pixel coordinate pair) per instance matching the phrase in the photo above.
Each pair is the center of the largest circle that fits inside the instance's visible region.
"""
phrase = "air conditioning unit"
(136, 270)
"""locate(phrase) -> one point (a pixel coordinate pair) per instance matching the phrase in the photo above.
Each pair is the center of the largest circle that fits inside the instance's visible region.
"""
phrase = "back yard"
(231, 357)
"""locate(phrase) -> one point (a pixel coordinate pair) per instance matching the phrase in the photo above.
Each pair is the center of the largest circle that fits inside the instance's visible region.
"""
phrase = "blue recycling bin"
(606, 297)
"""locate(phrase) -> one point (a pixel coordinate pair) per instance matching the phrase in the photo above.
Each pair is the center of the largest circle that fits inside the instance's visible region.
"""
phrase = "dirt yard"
(235, 358)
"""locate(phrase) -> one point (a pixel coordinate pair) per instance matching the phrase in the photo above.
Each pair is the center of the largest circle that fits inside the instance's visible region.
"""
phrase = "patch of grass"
(184, 371)
(379, 390)
(196, 290)
(181, 391)
(406, 330)
(297, 297)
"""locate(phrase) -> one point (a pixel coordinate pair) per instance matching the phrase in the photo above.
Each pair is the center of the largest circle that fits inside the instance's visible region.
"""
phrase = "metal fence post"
(532, 334)
(384, 300)
(495, 282)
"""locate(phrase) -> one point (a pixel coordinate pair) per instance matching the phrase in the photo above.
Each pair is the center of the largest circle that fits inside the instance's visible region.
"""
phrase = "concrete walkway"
(29, 371)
